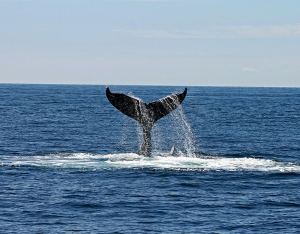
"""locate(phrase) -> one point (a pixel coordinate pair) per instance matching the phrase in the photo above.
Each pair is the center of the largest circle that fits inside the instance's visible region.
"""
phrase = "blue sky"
(188, 43)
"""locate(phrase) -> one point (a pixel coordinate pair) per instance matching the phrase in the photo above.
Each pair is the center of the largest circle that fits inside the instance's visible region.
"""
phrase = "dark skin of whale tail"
(145, 114)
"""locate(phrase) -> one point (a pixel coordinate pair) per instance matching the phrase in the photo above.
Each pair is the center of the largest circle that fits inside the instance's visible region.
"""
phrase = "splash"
(145, 114)
(179, 130)
(179, 133)
(82, 161)
(184, 131)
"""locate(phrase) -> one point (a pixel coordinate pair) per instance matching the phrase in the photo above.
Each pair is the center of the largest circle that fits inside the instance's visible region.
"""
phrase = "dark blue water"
(69, 163)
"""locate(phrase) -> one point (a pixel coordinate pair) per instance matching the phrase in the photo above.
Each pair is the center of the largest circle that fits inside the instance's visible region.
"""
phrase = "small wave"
(134, 161)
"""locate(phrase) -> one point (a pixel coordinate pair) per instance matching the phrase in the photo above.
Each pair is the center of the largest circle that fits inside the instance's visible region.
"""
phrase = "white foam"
(134, 161)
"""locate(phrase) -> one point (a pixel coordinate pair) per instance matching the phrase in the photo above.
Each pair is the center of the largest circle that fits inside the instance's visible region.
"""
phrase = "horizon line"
(225, 86)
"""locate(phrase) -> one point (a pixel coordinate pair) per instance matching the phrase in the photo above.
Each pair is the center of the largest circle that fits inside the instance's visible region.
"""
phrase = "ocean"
(68, 161)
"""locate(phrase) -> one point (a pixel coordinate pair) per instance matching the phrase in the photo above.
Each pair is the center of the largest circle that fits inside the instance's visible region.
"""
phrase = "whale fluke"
(145, 114)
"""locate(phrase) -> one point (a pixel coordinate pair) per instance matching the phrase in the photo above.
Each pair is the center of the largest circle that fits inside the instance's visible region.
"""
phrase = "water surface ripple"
(68, 162)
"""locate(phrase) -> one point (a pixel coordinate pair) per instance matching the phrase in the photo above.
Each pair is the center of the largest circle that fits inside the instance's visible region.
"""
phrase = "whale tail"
(142, 112)
(145, 114)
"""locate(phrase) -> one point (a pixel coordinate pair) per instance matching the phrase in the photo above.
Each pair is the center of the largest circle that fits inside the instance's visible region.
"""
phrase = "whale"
(145, 114)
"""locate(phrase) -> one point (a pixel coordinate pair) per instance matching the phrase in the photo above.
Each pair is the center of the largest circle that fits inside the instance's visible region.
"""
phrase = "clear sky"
(189, 43)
